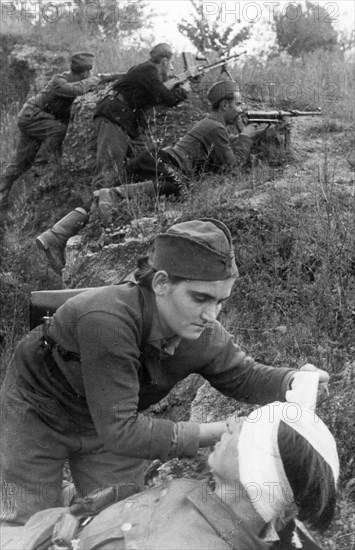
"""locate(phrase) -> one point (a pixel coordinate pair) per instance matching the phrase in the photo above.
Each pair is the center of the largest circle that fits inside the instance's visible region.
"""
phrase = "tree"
(207, 36)
(303, 29)
(110, 19)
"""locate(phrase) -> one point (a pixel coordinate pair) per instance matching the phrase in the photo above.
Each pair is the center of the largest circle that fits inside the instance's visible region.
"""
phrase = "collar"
(217, 117)
(155, 337)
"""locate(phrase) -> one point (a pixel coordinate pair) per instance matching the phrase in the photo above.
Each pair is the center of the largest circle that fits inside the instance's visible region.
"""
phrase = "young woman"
(77, 385)
(269, 469)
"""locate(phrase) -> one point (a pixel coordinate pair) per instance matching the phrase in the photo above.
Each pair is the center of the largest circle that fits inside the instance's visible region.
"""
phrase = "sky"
(168, 12)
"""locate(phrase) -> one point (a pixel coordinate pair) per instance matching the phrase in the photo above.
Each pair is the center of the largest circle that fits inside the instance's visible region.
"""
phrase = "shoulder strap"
(146, 303)
(226, 523)
(147, 312)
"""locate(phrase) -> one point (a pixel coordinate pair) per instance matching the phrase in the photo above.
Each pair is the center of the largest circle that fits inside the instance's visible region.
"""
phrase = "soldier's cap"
(82, 61)
(224, 89)
(161, 50)
(198, 249)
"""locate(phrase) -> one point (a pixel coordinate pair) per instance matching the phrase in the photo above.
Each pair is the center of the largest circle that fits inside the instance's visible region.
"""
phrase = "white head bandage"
(260, 465)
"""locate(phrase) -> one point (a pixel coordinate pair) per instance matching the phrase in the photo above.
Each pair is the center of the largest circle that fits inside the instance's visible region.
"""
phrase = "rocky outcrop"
(26, 68)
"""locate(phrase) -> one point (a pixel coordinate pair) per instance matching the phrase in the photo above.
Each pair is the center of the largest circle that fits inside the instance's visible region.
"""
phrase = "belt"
(66, 355)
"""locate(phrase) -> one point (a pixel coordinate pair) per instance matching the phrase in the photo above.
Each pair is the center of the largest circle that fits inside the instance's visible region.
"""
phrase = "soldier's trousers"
(160, 167)
(38, 434)
(34, 131)
(113, 147)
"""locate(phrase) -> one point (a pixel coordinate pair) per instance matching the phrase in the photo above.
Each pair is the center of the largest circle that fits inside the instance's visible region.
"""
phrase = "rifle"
(260, 117)
(109, 77)
(195, 71)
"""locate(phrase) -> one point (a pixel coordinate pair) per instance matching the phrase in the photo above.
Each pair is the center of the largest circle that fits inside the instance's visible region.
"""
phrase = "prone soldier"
(207, 146)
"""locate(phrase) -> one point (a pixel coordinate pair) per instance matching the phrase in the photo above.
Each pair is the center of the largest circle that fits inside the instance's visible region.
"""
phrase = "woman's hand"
(323, 391)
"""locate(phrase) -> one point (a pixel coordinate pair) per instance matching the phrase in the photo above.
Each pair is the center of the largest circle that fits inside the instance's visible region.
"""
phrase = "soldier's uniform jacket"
(180, 514)
(208, 146)
(177, 515)
(121, 371)
(57, 97)
(140, 89)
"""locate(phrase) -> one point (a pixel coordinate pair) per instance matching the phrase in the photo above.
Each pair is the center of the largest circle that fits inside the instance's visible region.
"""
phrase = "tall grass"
(324, 79)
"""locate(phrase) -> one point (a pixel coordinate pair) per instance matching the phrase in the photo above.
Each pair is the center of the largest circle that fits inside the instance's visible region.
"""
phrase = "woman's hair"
(144, 274)
(310, 476)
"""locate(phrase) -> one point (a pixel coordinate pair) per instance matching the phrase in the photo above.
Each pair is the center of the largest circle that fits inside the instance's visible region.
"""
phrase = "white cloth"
(260, 465)
(304, 389)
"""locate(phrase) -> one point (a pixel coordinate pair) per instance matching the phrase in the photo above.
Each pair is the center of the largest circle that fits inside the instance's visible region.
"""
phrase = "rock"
(37, 64)
(210, 405)
(79, 145)
(110, 265)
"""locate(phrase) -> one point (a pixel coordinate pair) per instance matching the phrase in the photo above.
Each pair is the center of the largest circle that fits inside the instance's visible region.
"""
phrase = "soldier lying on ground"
(45, 118)
(77, 385)
(120, 118)
(206, 146)
(268, 469)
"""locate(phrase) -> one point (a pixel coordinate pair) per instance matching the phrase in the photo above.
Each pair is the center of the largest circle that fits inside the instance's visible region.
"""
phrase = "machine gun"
(194, 71)
(274, 117)
(269, 117)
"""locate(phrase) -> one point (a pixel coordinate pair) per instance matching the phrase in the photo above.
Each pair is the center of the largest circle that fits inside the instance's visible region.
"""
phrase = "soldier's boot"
(131, 190)
(52, 242)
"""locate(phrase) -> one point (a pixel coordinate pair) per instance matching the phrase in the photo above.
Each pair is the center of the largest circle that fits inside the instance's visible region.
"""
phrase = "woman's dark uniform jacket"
(119, 374)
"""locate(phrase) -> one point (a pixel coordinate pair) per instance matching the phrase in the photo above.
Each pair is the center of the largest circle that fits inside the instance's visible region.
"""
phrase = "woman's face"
(223, 461)
(186, 308)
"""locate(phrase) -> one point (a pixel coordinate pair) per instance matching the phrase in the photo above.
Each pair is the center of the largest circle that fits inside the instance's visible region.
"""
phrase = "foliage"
(321, 79)
(299, 31)
(112, 19)
(206, 36)
(103, 19)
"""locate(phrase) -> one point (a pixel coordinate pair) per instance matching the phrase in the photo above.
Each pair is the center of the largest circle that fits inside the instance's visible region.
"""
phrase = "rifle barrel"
(262, 116)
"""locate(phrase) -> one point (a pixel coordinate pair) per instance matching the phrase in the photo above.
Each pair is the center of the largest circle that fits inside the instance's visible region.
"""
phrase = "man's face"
(166, 68)
(234, 107)
(224, 461)
(185, 309)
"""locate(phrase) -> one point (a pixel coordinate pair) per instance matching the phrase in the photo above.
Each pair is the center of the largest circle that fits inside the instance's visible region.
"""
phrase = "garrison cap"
(224, 89)
(161, 50)
(198, 249)
(82, 61)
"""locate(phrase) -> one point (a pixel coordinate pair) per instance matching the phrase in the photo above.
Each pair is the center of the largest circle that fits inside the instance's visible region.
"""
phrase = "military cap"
(161, 50)
(224, 89)
(198, 249)
(82, 61)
